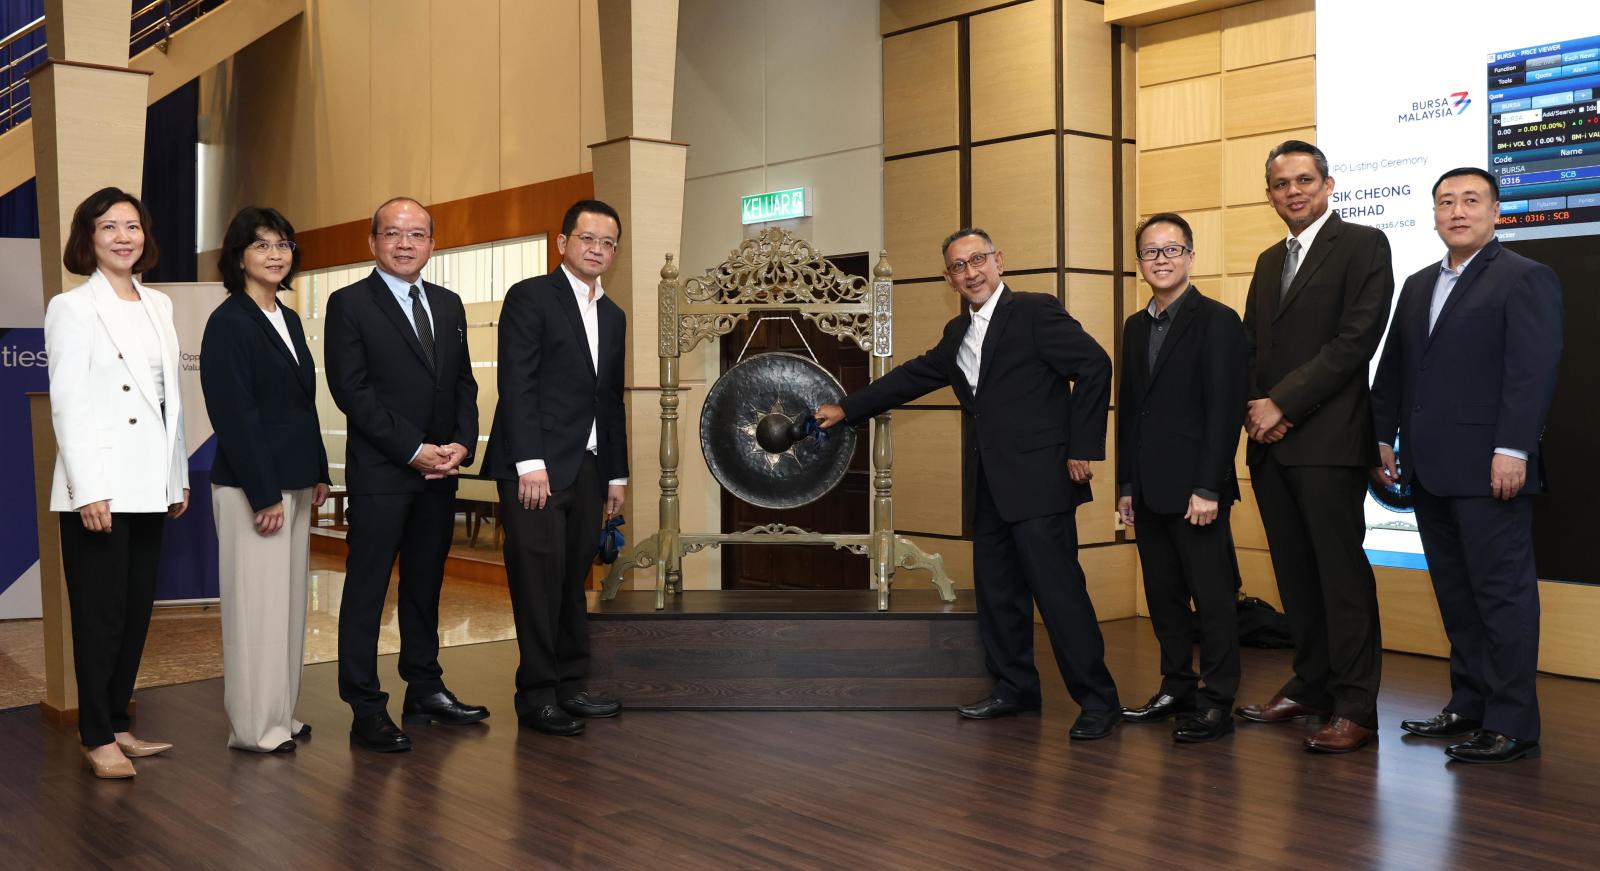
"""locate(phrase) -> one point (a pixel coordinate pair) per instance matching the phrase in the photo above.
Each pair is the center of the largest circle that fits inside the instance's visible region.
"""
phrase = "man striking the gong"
(1028, 438)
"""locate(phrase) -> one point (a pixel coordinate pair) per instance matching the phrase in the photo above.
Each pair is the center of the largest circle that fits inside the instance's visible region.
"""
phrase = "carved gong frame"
(775, 270)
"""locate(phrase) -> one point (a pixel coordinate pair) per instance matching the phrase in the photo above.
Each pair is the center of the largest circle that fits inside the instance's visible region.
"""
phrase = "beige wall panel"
(1247, 231)
(1097, 520)
(711, 227)
(591, 89)
(842, 84)
(921, 205)
(1086, 67)
(899, 14)
(1013, 70)
(1280, 96)
(1255, 567)
(1268, 31)
(1244, 165)
(1233, 290)
(921, 107)
(1409, 613)
(402, 156)
(1036, 282)
(1207, 227)
(1109, 572)
(1092, 299)
(1181, 179)
(957, 553)
(1130, 84)
(1130, 203)
(1180, 49)
(1246, 520)
(927, 471)
(718, 106)
(847, 187)
(342, 59)
(1180, 113)
(1009, 181)
(539, 119)
(465, 120)
(1568, 643)
(1135, 296)
(1087, 202)
(1241, 468)
(920, 312)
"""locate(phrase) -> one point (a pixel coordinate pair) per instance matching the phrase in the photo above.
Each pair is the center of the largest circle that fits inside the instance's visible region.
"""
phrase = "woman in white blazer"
(121, 467)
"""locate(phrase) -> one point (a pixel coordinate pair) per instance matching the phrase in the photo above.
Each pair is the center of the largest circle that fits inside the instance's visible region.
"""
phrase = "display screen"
(1544, 138)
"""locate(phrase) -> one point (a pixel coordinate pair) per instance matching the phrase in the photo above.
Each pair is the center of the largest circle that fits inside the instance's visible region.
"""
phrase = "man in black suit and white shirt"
(396, 352)
(1180, 403)
(1466, 380)
(1010, 357)
(1313, 320)
(559, 450)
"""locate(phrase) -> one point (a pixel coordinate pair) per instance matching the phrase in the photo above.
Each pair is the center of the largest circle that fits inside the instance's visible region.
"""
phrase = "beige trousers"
(263, 581)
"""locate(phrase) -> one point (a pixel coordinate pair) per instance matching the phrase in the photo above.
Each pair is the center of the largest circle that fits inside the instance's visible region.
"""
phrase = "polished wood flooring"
(868, 790)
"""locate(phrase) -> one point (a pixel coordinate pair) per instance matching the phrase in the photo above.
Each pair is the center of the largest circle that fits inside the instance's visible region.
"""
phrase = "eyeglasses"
(262, 246)
(1171, 252)
(590, 240)
(976, 261)
(415, 237)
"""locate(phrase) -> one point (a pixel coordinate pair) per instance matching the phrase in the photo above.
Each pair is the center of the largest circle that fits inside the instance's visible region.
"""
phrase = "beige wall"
(360, 100)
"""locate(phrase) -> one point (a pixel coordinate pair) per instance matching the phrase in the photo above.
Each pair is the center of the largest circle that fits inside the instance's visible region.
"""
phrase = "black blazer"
(1310, 353)
(550, 392)
(262, 403)
(1178, 423)
(392, 399)
(1482, 380)
(1025, 422)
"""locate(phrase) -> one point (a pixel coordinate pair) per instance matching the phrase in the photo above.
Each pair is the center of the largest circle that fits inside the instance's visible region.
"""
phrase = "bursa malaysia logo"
(1436, 108)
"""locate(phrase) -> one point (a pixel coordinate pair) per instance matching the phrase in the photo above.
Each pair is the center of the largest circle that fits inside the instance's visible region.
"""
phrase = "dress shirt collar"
(580, 289)
(400, 287)
(1444, 265)
(1309, 234)
(1172, 307)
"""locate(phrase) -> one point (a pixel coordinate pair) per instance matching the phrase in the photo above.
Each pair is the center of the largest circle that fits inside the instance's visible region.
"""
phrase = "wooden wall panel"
(1013, 70)
(1244, 176)
(1092, 299)
(1086, 67)
(1179, 179)
(1086, 203)
(1255, 568)
(920, 89)
(342, 59)
(896, 15)
(1248, 230)
(1097, 520)
(1180, 49)
(922, 204)
(1007, 181)
(403, 165)
(1037, 282)
(1268, 31)
(1207, 227)
(1130, 203)
(1246, 519)
(543, 144)
(1109, 573)
(1280, 96)
(1409, 613)
(465, 130)
(1234, 290)
(1180, 113)
(920, 312)
(927, 471)
(1130, 84)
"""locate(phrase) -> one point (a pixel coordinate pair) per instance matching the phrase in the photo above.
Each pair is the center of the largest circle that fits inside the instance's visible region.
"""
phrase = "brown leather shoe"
(1281, 709)
(1340, 736)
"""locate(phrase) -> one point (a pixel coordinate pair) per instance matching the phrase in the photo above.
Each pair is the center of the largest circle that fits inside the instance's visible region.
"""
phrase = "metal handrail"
(16, 103)
(24, 30)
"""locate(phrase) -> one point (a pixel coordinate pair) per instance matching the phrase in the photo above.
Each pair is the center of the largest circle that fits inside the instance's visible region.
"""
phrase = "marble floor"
(185, 643)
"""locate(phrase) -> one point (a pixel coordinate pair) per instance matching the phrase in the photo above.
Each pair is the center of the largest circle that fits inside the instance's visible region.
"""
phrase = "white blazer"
(112, 441)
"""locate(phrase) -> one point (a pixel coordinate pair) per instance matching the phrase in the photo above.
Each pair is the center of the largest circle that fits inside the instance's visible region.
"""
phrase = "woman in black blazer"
(270, 471)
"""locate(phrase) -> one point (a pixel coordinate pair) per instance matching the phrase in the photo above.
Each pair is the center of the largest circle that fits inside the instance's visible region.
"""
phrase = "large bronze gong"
(753, 431)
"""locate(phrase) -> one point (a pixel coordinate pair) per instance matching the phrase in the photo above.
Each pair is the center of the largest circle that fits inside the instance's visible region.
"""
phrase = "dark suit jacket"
(393, 400)
(1310, 353)
(550, 392)
(1178, 423)
(1025, 422)
(1482, 380)
(262, 403)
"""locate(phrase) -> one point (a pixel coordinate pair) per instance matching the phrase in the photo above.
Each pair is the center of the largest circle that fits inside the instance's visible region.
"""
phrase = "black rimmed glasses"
(1171, 252)
(976, 261)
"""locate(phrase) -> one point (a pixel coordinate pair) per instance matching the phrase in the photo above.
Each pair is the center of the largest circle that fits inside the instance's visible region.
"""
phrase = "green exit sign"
(775, 206)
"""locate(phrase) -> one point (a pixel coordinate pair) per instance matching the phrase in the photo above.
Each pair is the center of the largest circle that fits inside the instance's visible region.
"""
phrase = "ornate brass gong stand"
(774, 271)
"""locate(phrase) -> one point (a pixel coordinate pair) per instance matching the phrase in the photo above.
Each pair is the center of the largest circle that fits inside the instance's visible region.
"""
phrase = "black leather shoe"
(285, 747)
(1093, 724)
(1160, 707)
(1199, 727)
(442, 707)
(551, 720)
(591, 707)
(303, 732)
(1445, 725)
(994, 706)
(1489, 747)
(378, 733)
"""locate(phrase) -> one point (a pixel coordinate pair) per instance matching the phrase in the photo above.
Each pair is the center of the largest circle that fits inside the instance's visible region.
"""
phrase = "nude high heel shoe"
(118, 770)
(137, 747)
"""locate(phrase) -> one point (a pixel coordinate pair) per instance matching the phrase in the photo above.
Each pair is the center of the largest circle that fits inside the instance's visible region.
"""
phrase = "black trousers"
(1016, 565)
(1315, 528)
(1480, 557)
(417, 528)
(111, 588)
(548, 553)
(1181, 562)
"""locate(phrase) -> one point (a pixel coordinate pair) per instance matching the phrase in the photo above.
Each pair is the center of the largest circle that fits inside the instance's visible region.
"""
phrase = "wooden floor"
(859, 790)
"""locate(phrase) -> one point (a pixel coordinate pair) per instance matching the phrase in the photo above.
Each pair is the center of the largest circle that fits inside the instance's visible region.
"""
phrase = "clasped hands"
(1264, 421)
(437, 461)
